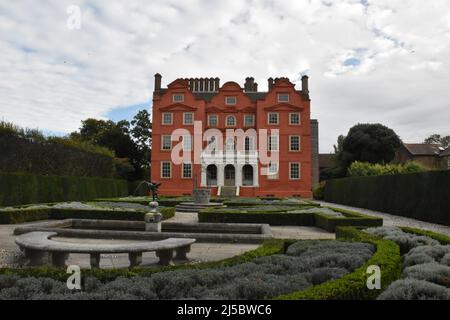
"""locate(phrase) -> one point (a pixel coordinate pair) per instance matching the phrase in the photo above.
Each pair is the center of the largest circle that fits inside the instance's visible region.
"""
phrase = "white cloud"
(386, 61)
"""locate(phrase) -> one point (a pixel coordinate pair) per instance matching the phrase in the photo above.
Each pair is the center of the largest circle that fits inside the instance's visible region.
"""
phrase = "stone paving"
(390, 220)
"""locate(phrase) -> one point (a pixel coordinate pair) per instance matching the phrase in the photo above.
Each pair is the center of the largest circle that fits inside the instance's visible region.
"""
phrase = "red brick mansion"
(237, 141)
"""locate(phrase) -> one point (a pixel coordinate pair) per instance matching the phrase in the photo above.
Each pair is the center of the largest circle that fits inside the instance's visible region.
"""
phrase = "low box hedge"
(28, 215)
(443, 239)
(278, 217)
(267, 248)
(352, 219)
(354, 285)
(351, 286)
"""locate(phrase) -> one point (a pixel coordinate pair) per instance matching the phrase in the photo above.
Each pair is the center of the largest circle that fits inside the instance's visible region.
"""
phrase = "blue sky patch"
(126, 113)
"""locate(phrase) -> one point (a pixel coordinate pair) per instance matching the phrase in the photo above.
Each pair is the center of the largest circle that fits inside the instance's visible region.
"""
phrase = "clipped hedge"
(54, 156)
(354, 286)
(352, 219)
(24, 188)
(267, 248)
(278, 217)
(443, 239)
(28, 215)
(275, 217)
(423, 196)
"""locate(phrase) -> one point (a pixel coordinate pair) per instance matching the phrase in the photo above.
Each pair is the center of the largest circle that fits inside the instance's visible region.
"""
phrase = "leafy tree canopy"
(444, 141)
(372, 143)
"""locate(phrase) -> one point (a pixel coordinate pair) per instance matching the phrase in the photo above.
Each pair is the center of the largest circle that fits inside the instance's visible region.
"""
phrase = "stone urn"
(202, 195)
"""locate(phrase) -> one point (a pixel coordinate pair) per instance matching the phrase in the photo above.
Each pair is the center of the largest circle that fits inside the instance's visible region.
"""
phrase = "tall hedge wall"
(22, 155)
(23, 188)
(423, 196)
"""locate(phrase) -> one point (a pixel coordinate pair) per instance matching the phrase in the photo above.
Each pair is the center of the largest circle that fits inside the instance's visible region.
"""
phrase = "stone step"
(195, 207)
(228, 192)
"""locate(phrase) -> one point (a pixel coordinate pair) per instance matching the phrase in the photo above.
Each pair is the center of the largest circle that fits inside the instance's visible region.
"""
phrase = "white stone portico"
(230, 168)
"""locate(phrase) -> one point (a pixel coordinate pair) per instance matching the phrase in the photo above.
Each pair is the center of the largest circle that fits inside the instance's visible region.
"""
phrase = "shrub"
(419, 255)
(413, 289)
(406, 241)
(319, 191)
(443, 239)
(353, 286)
(363, 169)
(421, 196)
(263, 277)
(431, 272)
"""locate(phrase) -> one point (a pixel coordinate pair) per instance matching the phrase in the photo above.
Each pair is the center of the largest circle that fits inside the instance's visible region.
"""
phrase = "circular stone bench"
(36, 244)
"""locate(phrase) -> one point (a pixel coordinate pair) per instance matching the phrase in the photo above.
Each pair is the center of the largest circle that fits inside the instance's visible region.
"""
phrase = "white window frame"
(184, 118)
(283, 94)
(251, 143)
(162, 142)
(299, 170)
(270, 144)
(234, 121)
(270, 175)
(185, 146)
(299, 118)
(163, 118)
(268, 118)
(178, 95)
(209, 120)
(233, 103)
(162, 169)
(299, 143)
(182, 170)
(245, 120)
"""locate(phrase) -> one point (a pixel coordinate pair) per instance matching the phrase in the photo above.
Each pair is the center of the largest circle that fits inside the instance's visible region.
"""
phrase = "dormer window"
(230, 101)
(178, 97)
(283, 97)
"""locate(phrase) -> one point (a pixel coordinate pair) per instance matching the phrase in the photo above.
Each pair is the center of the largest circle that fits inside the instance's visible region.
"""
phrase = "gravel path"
(390, 220)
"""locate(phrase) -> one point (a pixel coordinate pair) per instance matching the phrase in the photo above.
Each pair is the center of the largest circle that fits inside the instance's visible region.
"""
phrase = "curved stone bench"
(36, 244)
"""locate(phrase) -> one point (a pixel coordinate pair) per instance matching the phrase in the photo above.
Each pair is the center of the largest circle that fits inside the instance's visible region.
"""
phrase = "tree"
(127, 140)
(438, 139)
(373, 143)
(142, 135)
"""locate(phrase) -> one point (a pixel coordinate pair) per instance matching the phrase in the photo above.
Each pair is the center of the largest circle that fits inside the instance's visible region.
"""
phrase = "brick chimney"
(270, 82)
(158, 78)
(305, 87)
(249, 84)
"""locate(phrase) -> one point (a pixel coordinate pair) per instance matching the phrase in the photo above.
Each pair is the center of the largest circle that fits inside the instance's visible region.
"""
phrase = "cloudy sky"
(384, 61)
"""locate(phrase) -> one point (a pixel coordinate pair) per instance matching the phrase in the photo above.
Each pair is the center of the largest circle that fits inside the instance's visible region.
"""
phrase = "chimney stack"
(270, 81)
(158, 78)
(305, 88)
(249, 84)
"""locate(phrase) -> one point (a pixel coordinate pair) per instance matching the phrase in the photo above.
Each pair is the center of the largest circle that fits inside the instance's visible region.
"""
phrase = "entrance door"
(230, 176)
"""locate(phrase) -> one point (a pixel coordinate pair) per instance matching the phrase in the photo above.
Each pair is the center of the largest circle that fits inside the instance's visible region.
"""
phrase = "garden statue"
(154, 189)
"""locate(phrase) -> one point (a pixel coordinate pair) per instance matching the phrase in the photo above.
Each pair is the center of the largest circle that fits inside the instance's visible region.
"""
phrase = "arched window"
(231, 121)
